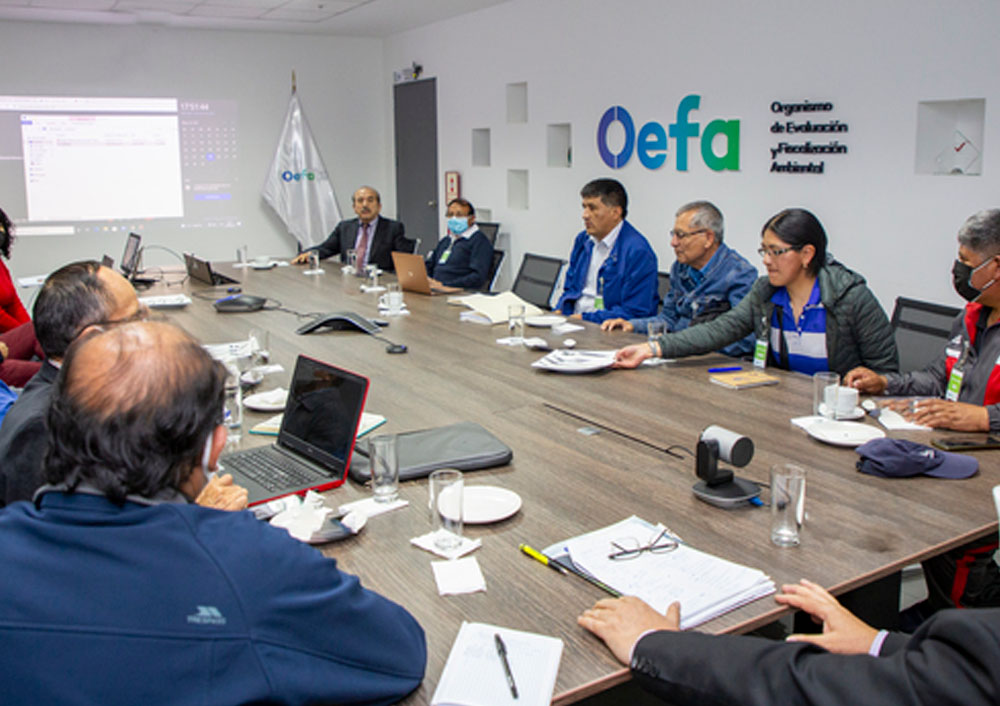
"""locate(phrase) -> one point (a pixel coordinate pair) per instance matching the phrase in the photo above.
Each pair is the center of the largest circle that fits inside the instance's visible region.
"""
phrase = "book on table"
(744, 379)
(491, 308)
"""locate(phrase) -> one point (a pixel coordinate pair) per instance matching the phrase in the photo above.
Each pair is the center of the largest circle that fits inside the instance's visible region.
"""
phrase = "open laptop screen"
(323, 412)
(130, 257)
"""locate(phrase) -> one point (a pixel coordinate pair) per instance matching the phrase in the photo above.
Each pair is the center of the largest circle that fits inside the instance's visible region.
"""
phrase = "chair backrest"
(536, 280)
(491, 278)
(921, 330)
(663, 285)
(490, 230)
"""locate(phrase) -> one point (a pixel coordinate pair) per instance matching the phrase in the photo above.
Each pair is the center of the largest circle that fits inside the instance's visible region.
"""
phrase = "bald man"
(74, 297)
(119, 590)
(370, 235)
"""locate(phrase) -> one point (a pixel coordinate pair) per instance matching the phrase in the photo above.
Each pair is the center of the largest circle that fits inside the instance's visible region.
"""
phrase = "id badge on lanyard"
(955, 379)
(760, 353)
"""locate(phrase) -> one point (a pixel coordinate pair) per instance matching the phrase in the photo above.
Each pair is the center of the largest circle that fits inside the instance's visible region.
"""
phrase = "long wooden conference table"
(858, 528)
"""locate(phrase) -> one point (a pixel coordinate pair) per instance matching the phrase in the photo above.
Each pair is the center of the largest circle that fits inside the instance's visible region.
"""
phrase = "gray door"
(416, 160)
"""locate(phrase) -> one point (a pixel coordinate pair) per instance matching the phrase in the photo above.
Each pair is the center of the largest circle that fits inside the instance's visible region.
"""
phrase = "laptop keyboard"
(271, 469)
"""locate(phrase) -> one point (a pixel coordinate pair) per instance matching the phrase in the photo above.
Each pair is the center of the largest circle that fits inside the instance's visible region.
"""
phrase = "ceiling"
(364, 18)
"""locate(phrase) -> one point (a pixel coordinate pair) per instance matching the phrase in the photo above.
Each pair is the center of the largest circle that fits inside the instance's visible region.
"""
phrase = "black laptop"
(202, 271)
(130, 261)
(316, 439)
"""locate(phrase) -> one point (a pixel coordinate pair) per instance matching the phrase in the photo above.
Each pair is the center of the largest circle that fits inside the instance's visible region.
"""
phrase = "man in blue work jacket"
(612, 270)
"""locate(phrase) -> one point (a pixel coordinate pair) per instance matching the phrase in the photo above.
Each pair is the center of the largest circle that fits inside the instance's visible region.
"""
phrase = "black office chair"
(921, 330)
(663, 286)
(490, 230)
(537, 278)
(491, 278)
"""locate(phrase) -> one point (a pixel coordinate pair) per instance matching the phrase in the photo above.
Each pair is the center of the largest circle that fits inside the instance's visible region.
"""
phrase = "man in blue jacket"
(612, 270)
(147, 598)
(708, 277)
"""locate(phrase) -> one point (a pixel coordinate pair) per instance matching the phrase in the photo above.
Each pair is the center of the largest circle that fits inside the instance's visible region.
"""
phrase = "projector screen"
(76, 165)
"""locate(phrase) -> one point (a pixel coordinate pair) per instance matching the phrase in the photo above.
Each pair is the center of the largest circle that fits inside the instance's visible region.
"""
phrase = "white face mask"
(205, 458)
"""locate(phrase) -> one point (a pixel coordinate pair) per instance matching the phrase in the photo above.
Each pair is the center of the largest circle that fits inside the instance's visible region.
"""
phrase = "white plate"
(484, 504)
(270, 401)
(858, 413)
(844, 433)
(544, 320)
(566, 361)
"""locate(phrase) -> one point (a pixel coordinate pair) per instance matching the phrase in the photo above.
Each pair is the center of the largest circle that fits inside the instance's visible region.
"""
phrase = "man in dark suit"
(371, 236)
(952, 658)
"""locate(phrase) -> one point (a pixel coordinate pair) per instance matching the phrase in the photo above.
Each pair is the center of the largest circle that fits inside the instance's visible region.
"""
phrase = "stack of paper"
(272, 425)
(705, 585)
(474, 674)
(491, 309)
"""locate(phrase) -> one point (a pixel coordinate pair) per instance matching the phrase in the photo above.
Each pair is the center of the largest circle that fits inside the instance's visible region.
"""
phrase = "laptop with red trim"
(316, 439)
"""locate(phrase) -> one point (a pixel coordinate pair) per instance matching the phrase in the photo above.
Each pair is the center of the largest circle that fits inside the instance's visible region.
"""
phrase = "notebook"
(412, 274)
(202, 271)
(316, 439)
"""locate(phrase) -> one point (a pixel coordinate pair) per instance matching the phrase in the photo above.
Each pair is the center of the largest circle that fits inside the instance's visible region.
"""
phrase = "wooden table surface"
(858, 527)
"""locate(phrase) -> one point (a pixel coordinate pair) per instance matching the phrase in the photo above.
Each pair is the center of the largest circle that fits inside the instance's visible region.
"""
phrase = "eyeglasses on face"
(776, 252)
(680, 235)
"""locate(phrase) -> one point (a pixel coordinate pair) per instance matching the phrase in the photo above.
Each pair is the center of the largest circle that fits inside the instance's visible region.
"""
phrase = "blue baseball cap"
(899, 458)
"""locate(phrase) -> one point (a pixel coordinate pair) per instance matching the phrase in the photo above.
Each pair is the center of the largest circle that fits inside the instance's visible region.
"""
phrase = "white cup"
(262, 261)
(847, 402)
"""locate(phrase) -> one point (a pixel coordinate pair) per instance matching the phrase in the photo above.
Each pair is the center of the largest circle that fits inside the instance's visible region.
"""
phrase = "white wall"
(339, 83)
(874, 61)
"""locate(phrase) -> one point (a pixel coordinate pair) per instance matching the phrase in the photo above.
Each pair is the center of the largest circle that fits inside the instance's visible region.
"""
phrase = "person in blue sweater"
(612, 269)
(708, 277)
(147, 598)
(462, 258)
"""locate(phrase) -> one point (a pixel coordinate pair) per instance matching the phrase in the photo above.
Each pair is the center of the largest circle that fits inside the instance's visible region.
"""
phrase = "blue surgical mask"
(458, 224)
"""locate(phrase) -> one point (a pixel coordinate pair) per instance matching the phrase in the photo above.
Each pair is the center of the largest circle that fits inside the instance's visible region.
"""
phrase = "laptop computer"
(202, 271)
(316, 439)
(130, 261)
(412, 274)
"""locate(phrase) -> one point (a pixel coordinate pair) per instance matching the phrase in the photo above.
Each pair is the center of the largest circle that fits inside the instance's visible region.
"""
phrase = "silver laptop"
(316, 439)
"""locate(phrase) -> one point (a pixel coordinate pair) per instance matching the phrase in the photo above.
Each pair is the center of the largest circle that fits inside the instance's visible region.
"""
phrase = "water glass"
(515, 321)
(445, 505)
(313, 267)
(655, 329)
(788, 498)
(825, 387)
(372, 270)
(241, 255)
(352, 261)
(233, 404)
(385, 468)
(393, 298)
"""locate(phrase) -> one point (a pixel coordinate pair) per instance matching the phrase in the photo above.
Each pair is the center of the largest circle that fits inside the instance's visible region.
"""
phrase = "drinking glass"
(385, 468)
(788, 498)
(445, 504)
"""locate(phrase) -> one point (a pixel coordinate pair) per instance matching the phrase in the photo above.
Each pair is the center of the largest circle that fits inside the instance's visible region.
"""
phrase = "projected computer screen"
(77, 164)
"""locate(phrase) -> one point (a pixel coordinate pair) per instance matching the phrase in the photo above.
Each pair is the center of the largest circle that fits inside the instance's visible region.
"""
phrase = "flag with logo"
(298, 186)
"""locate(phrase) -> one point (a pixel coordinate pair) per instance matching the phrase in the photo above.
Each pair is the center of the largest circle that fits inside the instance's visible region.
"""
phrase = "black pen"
(502, 651)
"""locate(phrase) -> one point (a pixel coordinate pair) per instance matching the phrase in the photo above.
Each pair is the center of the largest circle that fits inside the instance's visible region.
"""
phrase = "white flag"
(298, 186)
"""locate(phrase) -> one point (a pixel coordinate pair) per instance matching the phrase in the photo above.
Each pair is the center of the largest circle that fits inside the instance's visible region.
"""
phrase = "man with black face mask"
(967, 376)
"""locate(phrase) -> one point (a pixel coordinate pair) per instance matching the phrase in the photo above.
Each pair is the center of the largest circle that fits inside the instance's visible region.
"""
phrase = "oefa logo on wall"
(720, 140)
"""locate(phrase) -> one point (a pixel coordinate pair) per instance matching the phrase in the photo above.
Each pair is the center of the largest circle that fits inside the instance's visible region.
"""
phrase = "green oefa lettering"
(730, 129)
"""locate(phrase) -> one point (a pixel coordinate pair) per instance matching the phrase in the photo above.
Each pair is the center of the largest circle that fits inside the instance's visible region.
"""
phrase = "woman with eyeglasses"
(810, 313)
(17, 335)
